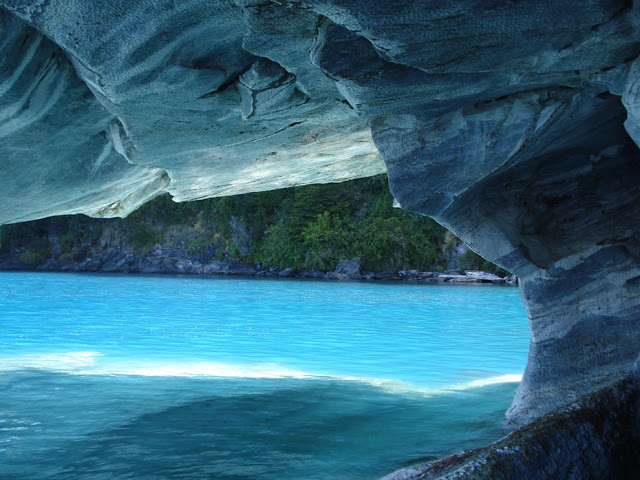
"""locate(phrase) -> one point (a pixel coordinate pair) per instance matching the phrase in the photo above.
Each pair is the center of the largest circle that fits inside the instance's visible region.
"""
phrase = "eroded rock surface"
(514, 124)
(522, 152)
(595, 438)
(104, 105)
(511, 132)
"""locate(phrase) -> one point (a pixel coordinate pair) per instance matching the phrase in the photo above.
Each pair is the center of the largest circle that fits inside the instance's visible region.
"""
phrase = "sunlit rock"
(136, 99)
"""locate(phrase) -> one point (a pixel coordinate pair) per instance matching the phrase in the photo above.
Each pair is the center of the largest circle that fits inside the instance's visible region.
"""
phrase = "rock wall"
(510, 131)
(514, 124)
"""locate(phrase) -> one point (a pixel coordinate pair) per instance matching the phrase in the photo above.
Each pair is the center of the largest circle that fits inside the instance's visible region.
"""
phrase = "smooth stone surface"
(134, 99)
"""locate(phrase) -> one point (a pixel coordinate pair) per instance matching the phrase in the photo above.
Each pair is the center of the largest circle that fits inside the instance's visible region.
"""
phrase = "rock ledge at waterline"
(118, 261)
(514, 124)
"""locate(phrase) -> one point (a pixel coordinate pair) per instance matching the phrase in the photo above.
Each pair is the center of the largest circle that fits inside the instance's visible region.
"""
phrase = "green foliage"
(279, 248)
(394, 239)
(37, 251)
(199, 244)
(392, 243)
(257, 210)
(233, 251)
(326, 240)
(310, 227)
(33, 257)
(20, 235)
(320, 224)
(163, 209)
(142, 238)
(326, 232)
(312, 200)
(66, 241)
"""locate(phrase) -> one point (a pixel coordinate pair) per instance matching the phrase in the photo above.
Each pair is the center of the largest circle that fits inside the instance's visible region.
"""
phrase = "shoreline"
(346, 270)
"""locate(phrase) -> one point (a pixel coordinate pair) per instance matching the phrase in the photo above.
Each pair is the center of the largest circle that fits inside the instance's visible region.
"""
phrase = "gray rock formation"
(595, 438)
(104, 105)
(514, 124)
(349, 268)
(526, 159)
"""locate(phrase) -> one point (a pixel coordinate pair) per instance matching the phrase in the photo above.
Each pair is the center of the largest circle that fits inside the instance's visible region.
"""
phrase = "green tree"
(326, 240)
(279, 248)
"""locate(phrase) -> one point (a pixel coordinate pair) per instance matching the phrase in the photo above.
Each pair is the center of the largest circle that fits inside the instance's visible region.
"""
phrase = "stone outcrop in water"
(514, 124)
(594, 438)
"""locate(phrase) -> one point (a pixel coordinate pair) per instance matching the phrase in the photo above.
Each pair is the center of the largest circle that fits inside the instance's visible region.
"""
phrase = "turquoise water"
(151, 377)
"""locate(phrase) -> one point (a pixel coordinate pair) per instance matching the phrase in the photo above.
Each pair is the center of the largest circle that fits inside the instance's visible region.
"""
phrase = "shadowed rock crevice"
(267, 88)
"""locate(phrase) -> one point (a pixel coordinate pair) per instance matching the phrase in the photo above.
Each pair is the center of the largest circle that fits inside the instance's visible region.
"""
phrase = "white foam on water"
(200, 369)
(68, 362)
(405, 388)
(484, 382)
(96, 363)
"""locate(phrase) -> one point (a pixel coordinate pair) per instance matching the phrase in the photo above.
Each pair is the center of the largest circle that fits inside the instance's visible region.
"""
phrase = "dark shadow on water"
(241, 429)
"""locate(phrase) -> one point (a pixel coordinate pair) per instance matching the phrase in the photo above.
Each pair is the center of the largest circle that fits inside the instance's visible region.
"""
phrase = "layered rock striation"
(104, 105)
(510, 131)
(514, 124)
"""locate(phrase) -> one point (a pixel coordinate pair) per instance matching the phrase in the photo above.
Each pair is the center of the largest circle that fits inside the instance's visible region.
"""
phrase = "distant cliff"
(308, 232)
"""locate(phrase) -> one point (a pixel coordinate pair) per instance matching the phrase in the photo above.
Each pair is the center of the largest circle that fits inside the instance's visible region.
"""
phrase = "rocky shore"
(158, 261)
(595, 437)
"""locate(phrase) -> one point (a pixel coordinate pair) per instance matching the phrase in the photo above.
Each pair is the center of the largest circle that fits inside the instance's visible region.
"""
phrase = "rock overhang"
(108, 105)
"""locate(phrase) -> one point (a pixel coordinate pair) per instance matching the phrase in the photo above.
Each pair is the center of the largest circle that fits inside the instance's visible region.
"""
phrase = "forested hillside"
(303, 228)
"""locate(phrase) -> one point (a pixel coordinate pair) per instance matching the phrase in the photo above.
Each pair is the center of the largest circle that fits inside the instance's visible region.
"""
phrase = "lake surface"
(152, 377)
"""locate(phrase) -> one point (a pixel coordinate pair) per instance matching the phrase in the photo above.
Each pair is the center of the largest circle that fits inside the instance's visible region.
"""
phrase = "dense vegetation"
(310, 227)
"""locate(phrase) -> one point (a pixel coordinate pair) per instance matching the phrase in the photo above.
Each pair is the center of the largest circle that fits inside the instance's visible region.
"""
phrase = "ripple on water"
(116, 377)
